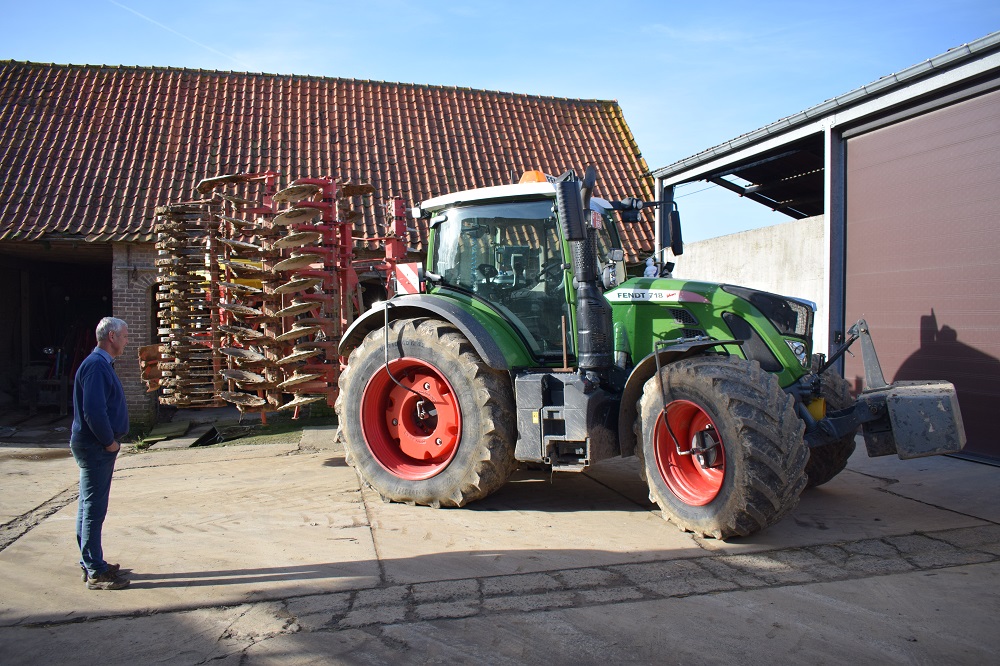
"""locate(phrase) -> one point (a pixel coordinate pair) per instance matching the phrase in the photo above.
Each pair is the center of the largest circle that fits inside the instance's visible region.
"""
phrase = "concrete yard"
(274, 554)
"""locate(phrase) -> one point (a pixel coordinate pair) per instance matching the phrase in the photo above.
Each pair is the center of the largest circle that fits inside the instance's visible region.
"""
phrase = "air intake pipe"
(593, 314)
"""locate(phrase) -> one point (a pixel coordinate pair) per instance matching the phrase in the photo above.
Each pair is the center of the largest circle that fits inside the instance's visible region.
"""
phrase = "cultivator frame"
(256, 288)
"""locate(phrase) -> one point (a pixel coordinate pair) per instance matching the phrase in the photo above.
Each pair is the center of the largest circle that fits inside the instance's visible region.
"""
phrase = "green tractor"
(526, 342)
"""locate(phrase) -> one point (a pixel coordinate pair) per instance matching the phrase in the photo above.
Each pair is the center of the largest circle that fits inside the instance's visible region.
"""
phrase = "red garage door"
(923, 254)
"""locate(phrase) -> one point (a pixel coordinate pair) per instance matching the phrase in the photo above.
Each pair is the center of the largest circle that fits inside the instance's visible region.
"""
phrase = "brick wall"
(133, 283)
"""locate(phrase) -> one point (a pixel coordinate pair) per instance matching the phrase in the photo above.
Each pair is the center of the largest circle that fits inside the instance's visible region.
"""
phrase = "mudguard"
(423, 305)
(641, 373)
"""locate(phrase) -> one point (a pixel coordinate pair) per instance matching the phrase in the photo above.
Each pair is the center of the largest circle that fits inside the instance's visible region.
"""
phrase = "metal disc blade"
(298, 379)
(240, 288)
(242, 399)
(239, 309)
(296, 308)
(295, 193)
(297, 216)
(300, 284)
(242, 332)
(242, 376)
(295, 357)
(298, 239)
(297, 332)
(297, 261)
(243, 354)
(301, 400)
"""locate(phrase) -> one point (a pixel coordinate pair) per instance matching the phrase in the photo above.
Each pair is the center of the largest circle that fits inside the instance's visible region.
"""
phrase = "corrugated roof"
(92, 150)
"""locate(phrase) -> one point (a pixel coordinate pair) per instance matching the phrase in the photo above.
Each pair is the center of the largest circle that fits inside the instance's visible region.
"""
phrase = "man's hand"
(114, 447)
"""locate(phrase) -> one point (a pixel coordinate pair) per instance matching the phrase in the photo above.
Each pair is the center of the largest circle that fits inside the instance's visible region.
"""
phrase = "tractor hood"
(662, 290)
(670, 290)
(775, 330)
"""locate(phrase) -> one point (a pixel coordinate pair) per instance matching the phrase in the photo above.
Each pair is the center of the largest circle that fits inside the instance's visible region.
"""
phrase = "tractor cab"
(504, 247)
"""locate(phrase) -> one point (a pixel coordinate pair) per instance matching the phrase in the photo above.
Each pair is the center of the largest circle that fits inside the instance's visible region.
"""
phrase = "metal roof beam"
(739, 167)
(732, 187)
(726, 160)
(801, 201)
(750, 193)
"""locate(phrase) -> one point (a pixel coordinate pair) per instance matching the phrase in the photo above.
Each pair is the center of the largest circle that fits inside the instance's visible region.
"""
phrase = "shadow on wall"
(975, 374)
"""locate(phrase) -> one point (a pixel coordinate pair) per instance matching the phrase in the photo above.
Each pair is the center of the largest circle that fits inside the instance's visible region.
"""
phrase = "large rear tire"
(829, 460)
(444, 434)
(754, 468)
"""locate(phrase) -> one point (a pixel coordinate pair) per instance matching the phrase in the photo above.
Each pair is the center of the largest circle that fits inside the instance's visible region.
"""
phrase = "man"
(100, 420)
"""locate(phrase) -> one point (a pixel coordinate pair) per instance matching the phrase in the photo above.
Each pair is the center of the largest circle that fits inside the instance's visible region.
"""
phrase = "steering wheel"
(552, 274)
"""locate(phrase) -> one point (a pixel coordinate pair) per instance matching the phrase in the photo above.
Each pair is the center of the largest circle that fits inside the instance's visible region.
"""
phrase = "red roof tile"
(91, 150)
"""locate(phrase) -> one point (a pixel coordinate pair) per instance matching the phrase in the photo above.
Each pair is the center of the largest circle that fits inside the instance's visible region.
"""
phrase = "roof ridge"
(303, 77)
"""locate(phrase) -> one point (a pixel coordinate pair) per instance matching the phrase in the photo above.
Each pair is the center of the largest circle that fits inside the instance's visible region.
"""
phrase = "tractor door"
(508, 254)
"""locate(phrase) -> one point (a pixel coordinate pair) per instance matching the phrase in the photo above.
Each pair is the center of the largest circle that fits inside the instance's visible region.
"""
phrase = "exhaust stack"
(593, 314)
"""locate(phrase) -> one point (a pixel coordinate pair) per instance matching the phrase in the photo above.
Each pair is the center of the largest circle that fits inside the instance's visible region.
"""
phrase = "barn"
(88, 152)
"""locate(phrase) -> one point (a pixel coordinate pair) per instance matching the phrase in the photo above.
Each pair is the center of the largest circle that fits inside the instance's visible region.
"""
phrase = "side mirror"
(670, 229)
(609, 275)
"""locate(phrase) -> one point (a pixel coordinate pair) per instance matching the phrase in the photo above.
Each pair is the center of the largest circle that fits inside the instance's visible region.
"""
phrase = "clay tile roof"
(90, 151)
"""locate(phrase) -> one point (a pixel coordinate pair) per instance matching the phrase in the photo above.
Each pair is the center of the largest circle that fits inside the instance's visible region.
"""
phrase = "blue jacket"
(100, 415)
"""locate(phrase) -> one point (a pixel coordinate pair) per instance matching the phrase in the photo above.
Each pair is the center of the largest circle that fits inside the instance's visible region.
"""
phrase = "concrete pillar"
(835, 204)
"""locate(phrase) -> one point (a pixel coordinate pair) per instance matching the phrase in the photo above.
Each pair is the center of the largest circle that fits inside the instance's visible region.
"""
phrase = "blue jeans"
(96, 468)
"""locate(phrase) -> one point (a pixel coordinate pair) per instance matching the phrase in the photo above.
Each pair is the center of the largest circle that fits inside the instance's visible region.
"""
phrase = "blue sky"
(688, 75)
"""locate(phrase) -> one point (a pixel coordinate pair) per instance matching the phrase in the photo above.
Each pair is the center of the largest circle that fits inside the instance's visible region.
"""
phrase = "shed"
(906, 171)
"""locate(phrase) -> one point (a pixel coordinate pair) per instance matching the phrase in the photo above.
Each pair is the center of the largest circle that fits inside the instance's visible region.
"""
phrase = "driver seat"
(517, 265)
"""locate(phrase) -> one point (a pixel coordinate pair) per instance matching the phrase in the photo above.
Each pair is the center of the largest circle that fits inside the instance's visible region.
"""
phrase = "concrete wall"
(787, 259)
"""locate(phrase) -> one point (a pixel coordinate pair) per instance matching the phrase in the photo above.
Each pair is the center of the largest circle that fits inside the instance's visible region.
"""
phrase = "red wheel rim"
(693, 479)
(412, 436)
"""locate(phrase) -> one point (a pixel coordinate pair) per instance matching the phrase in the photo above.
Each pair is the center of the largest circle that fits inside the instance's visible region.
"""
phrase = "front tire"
(752, 469)
(829, 460)
(444, 435)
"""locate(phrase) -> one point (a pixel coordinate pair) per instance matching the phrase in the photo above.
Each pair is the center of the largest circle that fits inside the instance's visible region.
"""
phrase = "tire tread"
(494, 458)
(768, 431)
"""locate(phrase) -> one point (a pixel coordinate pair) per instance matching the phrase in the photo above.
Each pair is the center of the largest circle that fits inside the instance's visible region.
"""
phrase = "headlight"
(800, 350)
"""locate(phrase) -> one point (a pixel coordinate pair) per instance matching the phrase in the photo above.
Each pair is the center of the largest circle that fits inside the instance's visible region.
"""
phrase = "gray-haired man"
(100, 420)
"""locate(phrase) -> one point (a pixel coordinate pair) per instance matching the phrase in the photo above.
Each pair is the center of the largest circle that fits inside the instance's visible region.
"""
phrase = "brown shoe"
(112, 569)
(107, 581)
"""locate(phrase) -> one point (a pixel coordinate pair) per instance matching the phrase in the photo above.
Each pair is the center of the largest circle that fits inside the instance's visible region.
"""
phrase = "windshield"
(515, 239)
